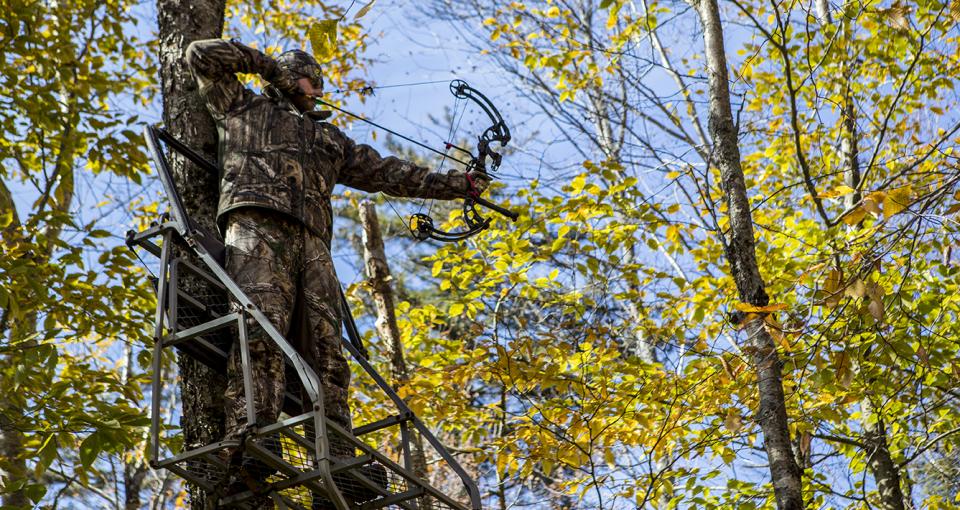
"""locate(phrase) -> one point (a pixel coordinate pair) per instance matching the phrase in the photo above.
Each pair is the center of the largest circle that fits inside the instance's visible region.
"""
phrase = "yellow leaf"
(839, 191)
(856, 289)
(841, 366)
(896, 201)
(612, 19)
(855, 216)
(609, 457)
(777, 334)
(733, 422)
(578, 183)
(502, 461)
(323, 39)
(872, 202)
(727, 370)
(832, 282)
(831, 285)
(876, 309)
(364, 10)
(922, 354)
(874, 290)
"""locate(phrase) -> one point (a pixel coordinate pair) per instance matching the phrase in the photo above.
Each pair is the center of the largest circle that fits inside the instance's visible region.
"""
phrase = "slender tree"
(740, 250)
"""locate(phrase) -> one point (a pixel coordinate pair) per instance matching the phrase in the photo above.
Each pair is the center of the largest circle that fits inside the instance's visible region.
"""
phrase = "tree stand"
(294, 457)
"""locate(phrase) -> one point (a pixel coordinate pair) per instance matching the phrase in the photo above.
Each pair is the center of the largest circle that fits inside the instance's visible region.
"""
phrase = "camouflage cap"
(300, 64)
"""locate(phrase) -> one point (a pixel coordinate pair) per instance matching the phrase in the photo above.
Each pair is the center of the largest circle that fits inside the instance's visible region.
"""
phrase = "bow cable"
(405, 137)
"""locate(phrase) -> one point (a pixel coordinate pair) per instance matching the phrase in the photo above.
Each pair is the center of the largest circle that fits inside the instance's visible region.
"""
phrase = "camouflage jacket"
(274, 157)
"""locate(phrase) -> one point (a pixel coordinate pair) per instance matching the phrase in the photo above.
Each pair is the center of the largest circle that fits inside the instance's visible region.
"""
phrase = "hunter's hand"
(285, 82)
(478, 181)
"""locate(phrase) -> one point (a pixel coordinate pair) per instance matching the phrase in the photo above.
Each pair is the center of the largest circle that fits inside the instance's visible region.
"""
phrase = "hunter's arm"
(215, 62)
(365, 169)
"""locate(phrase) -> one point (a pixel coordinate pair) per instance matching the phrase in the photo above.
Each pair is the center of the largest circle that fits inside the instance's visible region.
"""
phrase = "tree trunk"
(15, 465)
(13, 459)
(134, 473)
(740, 251)
(134, 467)
(59, 198)
(378, 274)
(848, 149)
(185, 116)
(885, 473)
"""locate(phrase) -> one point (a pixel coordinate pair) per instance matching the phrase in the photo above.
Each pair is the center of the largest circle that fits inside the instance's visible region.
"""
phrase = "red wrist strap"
(473, 187)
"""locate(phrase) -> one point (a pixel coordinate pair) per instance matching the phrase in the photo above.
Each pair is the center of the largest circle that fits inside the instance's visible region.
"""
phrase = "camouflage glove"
(266, 66)
(284, 81)
(478, 182)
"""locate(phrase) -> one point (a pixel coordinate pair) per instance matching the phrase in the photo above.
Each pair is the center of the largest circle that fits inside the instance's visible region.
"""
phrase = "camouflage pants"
(286, 271)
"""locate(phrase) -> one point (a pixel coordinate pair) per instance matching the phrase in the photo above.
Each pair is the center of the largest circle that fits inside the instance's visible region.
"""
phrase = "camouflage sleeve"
(215, 62)
(366, 170)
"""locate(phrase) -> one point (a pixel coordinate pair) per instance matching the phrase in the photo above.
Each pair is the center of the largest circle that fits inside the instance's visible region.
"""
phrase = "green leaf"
(89, 449)
(35, 492)
(6, 218)
(46, 454)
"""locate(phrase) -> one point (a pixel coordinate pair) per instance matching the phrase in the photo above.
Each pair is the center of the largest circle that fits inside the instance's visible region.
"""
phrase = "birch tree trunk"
(740, 251)
(378, 275)
(184, 115)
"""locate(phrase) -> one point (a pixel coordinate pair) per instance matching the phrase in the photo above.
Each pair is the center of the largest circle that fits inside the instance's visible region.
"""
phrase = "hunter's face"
(309, 88)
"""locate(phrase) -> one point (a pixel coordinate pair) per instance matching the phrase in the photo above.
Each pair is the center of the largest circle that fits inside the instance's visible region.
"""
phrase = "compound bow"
(422, 225)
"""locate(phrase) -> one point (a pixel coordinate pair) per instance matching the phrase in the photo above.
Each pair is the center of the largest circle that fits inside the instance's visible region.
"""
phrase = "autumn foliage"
(594, 354)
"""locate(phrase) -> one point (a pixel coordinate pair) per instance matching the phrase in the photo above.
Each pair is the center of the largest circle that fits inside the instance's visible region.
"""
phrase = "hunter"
(280, 161)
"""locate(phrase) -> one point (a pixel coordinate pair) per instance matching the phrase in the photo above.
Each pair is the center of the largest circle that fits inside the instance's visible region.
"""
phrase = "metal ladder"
(203, 324)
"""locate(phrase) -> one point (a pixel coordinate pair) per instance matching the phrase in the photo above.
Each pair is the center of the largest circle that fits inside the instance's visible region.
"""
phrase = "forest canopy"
(731, 283)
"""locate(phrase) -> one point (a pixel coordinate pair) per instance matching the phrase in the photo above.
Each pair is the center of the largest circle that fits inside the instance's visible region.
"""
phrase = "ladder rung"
(301, 479)
(389, 421)
(196, 452)
(283, 424)
(396, 499)
(272, 460)
(192, 301)
(207, 327)
(197, 271)
(353, 463)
